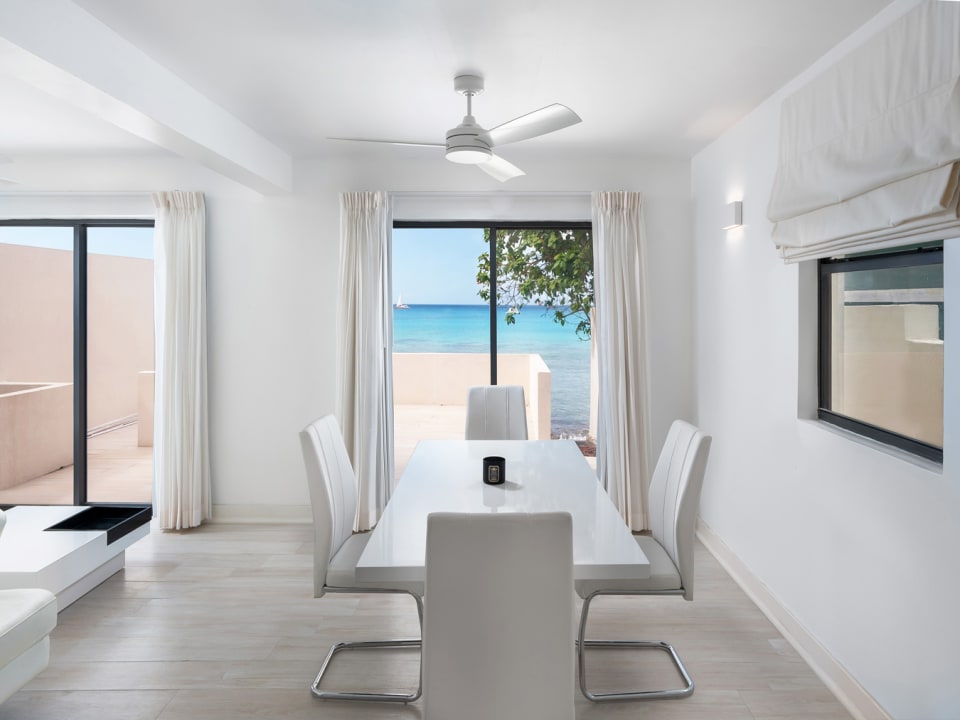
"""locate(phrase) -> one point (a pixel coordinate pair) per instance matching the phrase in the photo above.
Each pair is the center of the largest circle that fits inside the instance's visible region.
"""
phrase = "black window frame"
(493, 227)
(80, 228)
(901, 257)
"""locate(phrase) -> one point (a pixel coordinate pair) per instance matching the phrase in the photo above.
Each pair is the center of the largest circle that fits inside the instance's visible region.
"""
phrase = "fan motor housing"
(468, 144)
(468, 84)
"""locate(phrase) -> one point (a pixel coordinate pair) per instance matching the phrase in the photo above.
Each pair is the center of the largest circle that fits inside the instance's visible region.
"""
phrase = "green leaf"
(553, 268)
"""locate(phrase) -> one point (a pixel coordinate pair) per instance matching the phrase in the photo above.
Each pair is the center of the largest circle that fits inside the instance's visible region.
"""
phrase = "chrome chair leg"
(370, 645)
(583, 643)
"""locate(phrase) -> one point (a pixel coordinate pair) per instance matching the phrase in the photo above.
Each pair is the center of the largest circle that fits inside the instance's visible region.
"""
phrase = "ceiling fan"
(470, 144)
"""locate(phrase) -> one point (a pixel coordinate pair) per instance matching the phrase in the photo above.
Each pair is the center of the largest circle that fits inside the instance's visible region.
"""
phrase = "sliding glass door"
(441, 332)
(76, 362)
(120, 364)
(474, 312)
(544, 289)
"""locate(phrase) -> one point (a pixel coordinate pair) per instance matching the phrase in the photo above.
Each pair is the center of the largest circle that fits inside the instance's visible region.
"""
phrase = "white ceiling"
(660, 77)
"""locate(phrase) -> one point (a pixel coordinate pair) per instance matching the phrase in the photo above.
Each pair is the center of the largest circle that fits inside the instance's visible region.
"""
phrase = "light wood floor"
(219, 623)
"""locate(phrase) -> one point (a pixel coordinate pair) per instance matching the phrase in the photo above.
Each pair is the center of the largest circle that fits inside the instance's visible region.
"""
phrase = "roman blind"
(869, 151)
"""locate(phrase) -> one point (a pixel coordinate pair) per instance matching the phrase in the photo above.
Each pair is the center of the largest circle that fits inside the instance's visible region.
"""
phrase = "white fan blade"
(500, 169)
(539, 122)
(389, 142)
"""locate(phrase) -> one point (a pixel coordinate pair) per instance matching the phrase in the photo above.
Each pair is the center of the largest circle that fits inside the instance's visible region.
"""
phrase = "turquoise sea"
(465, 328)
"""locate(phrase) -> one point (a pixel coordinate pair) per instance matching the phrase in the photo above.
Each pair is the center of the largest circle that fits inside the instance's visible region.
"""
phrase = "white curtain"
(365, 332)
(180, 451)
(869, 150)
(620, 331)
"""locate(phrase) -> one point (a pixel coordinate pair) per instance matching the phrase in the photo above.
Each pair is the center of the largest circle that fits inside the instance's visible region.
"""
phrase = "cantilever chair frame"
(583, 643)
(370, 645)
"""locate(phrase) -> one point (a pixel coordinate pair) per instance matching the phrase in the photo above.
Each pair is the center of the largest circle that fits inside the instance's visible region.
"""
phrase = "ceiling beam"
(61, 49)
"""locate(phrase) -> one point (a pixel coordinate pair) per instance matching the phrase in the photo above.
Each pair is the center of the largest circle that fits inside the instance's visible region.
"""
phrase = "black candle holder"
(494, 470)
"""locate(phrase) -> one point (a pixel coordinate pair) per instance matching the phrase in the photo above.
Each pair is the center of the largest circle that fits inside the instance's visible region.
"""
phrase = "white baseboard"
(262, 514)
(851, 693)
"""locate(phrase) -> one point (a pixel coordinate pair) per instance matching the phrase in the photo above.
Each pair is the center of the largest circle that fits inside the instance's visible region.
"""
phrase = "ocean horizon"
(465, 329)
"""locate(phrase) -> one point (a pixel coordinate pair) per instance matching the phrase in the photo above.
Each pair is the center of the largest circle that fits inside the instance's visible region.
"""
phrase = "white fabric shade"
(366, 343)
(181, 455)
(869, 149)
(620, 330)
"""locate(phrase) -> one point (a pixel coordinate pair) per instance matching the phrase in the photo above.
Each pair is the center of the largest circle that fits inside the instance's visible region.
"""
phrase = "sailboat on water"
(400, 304)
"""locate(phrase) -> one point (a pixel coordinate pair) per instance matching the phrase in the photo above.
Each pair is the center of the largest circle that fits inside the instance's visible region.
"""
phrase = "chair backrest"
(496, 412)
(674, 497)
(333, 492)
(498, 637)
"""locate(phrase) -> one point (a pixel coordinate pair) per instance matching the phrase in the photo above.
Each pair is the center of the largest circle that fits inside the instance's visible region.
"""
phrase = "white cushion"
(663, 573)
(27, 616)
(342, 571)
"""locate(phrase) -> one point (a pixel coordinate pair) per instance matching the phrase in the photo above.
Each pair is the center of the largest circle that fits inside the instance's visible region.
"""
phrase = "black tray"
(117, 520)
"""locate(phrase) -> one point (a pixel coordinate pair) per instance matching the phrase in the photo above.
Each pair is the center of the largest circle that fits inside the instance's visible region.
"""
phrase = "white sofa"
(27, 615)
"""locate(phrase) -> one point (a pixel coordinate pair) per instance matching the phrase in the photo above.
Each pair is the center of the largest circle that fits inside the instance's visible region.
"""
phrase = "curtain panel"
(181, 455)
(869, 150)
(365, 332)
(620, 332)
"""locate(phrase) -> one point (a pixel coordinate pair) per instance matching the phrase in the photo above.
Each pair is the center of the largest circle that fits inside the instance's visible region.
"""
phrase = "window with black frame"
(481, 303)
(881, 347)
(76, 361)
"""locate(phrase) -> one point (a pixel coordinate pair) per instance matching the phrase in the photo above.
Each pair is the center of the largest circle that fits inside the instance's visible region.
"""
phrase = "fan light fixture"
(468, 155)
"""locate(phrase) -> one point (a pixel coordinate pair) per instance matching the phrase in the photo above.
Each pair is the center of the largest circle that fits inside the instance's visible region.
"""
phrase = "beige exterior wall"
(36, 328)
(443, 379)
(36, 314)
(36, 324)
(145, 393)
(119, 334)
(891, 367)
(36, 430)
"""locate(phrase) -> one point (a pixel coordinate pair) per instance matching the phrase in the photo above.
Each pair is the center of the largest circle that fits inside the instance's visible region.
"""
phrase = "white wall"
(272, 289)
(856, 542)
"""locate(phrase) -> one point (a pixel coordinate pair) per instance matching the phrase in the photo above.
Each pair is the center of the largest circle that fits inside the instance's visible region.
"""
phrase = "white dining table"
(540, 476)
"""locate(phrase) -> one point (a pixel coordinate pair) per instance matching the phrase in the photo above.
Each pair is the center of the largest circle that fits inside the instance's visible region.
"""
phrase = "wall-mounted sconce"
(734, 215)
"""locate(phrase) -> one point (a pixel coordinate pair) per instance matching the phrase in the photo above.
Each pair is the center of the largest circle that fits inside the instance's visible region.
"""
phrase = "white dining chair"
(496, 412)
(336, 549)
(498, 638)
(674, 500)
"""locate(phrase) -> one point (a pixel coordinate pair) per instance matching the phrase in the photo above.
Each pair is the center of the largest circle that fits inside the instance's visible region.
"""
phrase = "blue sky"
(128, 242)
(437, 266)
